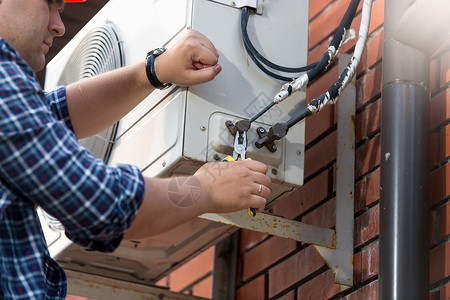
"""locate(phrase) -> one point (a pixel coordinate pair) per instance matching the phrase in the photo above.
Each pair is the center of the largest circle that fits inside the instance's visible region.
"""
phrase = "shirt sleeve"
(42, 161)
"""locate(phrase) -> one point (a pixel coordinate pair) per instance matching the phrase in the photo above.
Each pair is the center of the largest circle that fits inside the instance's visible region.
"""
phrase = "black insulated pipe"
(404, 179)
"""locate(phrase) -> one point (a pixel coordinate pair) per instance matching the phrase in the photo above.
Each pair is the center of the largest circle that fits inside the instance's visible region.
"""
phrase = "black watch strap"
(150, 70)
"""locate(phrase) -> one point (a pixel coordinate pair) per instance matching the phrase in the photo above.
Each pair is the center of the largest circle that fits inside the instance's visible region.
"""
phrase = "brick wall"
(275, 268)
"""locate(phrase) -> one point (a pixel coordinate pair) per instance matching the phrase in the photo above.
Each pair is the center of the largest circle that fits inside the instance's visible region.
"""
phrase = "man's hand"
(215, 188)
(233, 186)
(192, 59)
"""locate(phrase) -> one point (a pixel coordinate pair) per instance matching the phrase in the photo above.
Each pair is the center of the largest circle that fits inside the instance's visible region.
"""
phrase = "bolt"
(216, 157)
(274, 171)
(202, 128)
(299, 152)
(273, 147)
(261, 130)
(164, 164)
(233, 3)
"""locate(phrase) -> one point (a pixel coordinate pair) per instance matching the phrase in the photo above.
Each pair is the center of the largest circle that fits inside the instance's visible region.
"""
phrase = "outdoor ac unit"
(175, 131)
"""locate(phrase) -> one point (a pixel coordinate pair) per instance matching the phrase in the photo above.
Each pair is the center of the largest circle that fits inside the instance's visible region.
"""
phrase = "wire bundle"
(279, 130)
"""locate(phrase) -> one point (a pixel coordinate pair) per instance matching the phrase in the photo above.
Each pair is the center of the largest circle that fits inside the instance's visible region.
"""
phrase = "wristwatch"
(150, 69)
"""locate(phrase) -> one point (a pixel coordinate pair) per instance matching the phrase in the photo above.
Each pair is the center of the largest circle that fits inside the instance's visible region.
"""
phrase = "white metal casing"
(175, 131)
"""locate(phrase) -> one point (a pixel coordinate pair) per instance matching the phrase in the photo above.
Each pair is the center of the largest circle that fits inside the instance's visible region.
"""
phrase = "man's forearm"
(96, 103)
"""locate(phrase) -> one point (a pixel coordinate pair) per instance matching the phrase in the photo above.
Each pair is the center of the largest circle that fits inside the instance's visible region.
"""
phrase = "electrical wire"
(279, 130)
(339, 38)
(259, 59)
(333, 49)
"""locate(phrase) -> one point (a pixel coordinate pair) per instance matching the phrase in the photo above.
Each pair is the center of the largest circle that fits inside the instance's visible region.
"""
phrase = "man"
(42, 164)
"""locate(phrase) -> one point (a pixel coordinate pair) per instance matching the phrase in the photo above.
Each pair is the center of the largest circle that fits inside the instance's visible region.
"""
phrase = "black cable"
(251, 50)
(322, 65)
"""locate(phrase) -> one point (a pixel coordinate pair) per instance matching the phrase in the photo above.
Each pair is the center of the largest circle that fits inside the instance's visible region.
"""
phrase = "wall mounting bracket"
(335, 246)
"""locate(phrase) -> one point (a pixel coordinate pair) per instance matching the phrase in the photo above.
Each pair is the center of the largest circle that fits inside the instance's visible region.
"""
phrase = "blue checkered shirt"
(42, 164)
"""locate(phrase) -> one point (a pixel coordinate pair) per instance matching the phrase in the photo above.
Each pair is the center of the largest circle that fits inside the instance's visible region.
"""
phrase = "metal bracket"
(99, 287)
(255, 4)
(335, 246)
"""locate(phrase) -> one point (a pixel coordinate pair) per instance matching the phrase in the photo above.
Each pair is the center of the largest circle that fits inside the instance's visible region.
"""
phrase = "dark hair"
(57, 1)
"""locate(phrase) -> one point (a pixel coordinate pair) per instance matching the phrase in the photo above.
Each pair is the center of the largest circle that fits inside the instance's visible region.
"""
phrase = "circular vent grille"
(98, 52)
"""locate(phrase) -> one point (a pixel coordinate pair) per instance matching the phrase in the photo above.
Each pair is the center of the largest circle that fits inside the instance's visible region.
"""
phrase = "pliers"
(239, 150)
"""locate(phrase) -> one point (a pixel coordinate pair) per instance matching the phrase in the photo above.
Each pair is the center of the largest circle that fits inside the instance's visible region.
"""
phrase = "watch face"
(158, 51)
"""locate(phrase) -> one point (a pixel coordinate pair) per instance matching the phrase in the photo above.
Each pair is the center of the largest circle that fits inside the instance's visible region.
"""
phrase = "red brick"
(377, 16)
(360, 195)
(262, 256)
(445, 69)
(439, 263)
(321, 154)
(434, 75)
(288, 296)
(445, 143)
(375, 49)
(326, 23)
(444, 220)
(369, 86)
(357, 268)
(370, 261)
(249, 238)
(368, 156)
(294, 269)
(433, 296)
(360, 127)
(320, 287)
(433, 229)
(445, 292)
(192, 271)
(439, 184)
(434, 149)
(318, 51)
(317, 6)
(313, 192)
(252, 290)
(203, 288)
(367, 226)
(323, 216)
(373, 187)
(367, 292)
(440, 109)
(373, 112)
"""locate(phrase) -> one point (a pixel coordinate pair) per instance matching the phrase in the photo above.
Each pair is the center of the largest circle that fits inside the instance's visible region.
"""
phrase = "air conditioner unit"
(175, 131)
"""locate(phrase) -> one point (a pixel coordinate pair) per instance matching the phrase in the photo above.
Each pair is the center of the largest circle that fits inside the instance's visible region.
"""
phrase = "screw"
(273, 147)
(233, 4)
(274, 171)
(299, 152)
(216, 157)
(202, 128)
(261, 130)
(164, 164)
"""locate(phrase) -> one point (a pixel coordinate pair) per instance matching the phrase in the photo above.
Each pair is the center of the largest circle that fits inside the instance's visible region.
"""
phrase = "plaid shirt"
(42, 164)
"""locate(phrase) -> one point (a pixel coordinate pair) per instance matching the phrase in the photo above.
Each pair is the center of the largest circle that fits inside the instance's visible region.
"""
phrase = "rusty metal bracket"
(335, 246)
(340, 259)
(99, 287)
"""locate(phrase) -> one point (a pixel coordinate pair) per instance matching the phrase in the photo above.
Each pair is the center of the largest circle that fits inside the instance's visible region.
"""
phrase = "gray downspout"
(404, 182)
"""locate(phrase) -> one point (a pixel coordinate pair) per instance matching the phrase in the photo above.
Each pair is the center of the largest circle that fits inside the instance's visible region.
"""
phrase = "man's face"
(30, 26)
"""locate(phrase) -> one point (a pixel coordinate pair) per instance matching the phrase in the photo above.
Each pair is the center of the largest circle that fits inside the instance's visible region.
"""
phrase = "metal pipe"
(404, 207)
